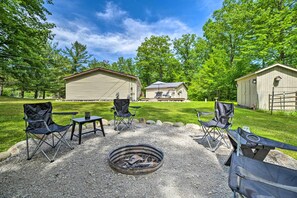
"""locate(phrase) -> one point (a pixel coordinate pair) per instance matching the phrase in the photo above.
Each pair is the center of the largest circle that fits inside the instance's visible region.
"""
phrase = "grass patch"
(279, 126)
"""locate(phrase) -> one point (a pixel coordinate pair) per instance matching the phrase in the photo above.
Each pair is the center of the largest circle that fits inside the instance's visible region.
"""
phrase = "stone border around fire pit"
(281, 159)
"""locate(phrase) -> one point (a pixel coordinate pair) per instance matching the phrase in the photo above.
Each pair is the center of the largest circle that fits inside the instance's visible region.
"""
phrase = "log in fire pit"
(136, 159)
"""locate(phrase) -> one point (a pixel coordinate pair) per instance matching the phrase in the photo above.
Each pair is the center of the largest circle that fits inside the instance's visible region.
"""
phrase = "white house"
(167, 90)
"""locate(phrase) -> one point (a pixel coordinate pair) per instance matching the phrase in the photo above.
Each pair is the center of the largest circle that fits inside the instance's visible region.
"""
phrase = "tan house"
(167, 90)
(102, 84)
(272, 87)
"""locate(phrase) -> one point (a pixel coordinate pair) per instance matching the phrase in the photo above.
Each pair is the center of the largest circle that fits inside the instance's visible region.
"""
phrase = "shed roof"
(101, 69)
(267, 68)
(158, 85)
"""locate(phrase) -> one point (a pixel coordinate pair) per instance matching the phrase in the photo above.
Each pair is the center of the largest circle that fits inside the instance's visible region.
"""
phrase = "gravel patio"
(189, 169)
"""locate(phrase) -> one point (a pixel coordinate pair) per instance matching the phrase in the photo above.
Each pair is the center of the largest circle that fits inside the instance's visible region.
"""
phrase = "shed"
(167, 90)
(273, 87)
(102, 84)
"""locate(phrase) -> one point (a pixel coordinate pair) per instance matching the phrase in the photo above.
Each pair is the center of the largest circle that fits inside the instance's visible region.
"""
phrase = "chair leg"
(220, 139)
(131, 123)
(207, 134)
(127, 122)
(27, 145)
(60, 139)
(38, 146)
(213, 134)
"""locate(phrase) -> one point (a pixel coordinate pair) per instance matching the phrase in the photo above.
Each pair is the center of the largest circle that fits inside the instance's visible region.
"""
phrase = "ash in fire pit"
(136, 159)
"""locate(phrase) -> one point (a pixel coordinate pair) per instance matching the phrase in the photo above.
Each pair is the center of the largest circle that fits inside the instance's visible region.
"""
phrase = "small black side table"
(82, 121)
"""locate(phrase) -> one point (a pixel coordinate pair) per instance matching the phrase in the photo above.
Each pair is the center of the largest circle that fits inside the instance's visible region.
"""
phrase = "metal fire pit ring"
(136, 159)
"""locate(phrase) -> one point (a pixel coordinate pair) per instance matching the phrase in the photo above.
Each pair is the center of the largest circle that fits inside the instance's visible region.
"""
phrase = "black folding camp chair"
(40, 126)
(123, 118)
(214, 129)
(251, 178)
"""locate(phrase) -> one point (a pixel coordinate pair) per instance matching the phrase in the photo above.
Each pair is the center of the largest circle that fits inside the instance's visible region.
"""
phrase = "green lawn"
(279, 126)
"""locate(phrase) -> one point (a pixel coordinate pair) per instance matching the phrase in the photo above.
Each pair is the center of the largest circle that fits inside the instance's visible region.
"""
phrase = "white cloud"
(111, 12)
(114, 44)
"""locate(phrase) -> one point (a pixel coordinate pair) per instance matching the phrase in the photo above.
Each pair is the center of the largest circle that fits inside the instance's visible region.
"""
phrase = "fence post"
(269, 103)
(296, 101)
(284, 100)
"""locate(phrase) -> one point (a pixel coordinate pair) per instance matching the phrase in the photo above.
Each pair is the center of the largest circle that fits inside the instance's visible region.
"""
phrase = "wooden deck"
(164, 99)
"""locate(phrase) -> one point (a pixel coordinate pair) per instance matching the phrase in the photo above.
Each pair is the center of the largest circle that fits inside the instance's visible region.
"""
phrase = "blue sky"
(111, 29)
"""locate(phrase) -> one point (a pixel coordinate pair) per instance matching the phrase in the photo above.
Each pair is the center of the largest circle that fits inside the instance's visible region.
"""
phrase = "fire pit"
(136, 159)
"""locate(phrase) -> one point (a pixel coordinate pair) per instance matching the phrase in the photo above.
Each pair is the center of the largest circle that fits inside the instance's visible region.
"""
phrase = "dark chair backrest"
(38, 111)
(121, 106)
(158, 94)
(223, 112)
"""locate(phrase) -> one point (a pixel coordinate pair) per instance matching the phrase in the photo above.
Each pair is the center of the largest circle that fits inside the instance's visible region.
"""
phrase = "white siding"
(150, 93)
(100, 85)
(247, 92)
(179, 92)
(288, 83)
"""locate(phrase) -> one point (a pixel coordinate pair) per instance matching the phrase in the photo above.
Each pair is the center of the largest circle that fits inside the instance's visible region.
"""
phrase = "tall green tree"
(94, 63)
(212, 79)
(124, 65)
(272, 35)
(57, 67)
(185, 52)
(155, 60)
(78, 56)
(24, 32)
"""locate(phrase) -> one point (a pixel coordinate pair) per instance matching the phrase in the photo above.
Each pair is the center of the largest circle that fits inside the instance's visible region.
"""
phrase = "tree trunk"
(1, 90)
(282, 57)
(36, 94)
(43, 94)
(22, 93)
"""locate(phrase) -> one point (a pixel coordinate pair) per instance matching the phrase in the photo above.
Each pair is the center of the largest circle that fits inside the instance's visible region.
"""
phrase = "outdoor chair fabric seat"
(214, 129)
(214, 123)
(39, 126)
(51, 128)
(122, 115)
(254, 179)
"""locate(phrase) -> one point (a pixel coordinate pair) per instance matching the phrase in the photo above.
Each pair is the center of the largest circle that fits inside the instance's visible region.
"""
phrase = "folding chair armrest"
(65, 113)
(135, 107)
(201, 113)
